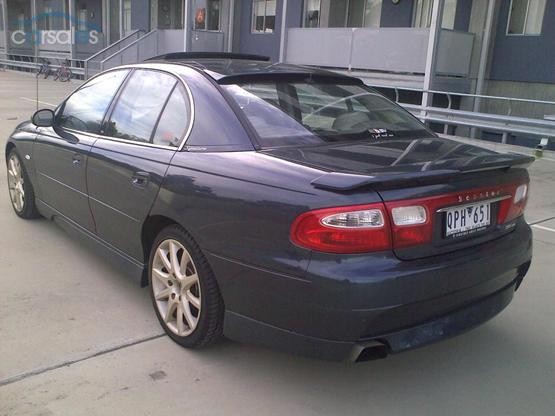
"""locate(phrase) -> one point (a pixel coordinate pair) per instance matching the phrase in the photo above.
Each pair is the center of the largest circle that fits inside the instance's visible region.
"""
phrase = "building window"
(263, 16)
(21, 21)
(207, 15)
(311, 16)
(126, 17)
(45, 19)
(526, 17)
(342, 13)
(82, 16)
(423, 14)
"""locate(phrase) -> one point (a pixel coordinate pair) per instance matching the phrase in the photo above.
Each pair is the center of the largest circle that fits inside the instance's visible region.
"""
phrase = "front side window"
(526, 17)
(86, 108)
(264, 16)
(303, 114)
(174, 119)
(139, 105)
(342, 13)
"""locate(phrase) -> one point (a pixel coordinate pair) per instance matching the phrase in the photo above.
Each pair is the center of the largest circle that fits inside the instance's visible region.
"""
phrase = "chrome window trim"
(185, 137)
(481, 201)
(117, 139)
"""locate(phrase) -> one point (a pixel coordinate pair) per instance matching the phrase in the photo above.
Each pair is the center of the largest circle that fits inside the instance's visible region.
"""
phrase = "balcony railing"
(398, 50)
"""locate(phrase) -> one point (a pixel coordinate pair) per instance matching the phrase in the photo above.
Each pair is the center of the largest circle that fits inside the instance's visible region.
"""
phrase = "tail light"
(395, 224)
(513, 207)
(351, 229)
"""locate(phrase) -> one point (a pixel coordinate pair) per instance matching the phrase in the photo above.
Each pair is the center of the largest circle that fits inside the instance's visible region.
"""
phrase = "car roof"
(231, 68)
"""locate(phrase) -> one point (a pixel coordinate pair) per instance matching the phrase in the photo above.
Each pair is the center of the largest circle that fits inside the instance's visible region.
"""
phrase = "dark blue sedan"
(276, 204)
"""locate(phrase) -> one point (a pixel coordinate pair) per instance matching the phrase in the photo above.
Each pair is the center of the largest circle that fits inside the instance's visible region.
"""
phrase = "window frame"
(305, 11)
(525, 21)
(346, 20)
(253, 20)
(418, 5)
(219, 30)
(61, 107)
(108, 113)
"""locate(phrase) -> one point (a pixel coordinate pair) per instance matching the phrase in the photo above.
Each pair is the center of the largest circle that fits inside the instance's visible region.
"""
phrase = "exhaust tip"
(376, 351)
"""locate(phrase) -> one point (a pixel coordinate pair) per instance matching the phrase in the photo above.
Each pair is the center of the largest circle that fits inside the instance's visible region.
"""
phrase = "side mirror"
(43, 118)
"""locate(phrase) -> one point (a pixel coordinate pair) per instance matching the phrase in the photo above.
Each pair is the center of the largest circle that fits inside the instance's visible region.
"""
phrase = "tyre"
(66, 75)
(22, 194)
(184, 291)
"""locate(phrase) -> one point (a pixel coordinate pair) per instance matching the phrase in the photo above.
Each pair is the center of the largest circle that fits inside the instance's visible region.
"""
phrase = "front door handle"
(140, 179)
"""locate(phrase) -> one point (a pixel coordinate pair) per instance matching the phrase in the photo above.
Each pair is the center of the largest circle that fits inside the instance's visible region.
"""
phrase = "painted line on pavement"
(36, 372)
(34, 101)
(541, 227)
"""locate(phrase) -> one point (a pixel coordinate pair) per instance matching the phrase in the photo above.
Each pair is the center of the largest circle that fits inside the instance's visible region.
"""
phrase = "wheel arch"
(9, 146)
(151, 228)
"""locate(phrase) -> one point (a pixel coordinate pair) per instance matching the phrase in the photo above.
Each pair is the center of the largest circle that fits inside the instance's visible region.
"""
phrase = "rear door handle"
(140, 179)
(77, 160)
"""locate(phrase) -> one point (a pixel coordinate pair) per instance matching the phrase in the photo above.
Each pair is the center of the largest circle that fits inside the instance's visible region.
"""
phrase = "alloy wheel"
(16, 183)
(176, 287)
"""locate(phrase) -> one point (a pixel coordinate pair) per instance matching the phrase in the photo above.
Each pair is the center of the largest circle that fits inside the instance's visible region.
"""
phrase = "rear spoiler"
(336, 181)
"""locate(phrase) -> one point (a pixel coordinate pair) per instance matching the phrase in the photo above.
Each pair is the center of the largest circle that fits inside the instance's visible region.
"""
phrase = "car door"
(127, 164)
(60, 152)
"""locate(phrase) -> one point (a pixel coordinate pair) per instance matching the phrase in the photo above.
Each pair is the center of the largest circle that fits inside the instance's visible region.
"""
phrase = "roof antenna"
(38, 69)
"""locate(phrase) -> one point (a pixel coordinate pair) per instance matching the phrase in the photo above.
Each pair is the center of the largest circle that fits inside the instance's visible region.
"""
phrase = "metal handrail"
(119, 52)
(497, 122)
(501, 123)
(32, 64)
(462, 94)
(108, 48)
(116, 43)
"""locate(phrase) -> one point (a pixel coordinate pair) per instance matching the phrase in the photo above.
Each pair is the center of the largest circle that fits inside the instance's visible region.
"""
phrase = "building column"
(5, 23)
(484, 55)
(230, 27)
(187, 25)
(283, 37)
(71, 19)
(120, 16)
(34, 28)
(431, 55)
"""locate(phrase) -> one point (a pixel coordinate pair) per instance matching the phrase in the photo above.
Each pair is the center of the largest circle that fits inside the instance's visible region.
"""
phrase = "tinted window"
(85, 109)
(301, 113)
(174, 120)
(139, 105)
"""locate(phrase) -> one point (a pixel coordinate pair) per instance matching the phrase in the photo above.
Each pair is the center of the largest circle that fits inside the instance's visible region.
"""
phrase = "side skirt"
(120, 260)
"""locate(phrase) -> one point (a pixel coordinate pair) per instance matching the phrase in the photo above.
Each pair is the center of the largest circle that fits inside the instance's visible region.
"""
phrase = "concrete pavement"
(78, 338)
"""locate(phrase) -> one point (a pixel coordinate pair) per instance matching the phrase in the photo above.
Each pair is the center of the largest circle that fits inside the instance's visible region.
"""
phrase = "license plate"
(467, 219)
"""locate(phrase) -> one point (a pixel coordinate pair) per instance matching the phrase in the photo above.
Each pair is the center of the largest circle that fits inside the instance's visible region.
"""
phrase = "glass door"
(210, 25)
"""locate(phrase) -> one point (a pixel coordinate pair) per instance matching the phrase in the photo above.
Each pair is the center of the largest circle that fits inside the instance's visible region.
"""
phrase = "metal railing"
(93, 64)
(137, 51)
(21, 61)
(504, 123)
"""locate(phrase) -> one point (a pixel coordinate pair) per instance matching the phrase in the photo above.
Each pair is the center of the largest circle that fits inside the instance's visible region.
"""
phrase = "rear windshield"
(308, 113)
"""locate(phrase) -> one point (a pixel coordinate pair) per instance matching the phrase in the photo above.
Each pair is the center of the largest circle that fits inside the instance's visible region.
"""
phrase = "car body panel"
(123, 180)
(61, 172)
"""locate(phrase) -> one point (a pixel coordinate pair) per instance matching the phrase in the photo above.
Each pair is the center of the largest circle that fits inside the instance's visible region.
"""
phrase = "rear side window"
(174, 119)
(85, 109)
(139, 105)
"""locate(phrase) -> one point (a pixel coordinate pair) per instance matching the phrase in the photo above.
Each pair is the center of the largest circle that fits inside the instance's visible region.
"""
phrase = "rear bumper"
(455, 323)
(345, 303)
